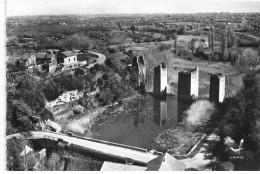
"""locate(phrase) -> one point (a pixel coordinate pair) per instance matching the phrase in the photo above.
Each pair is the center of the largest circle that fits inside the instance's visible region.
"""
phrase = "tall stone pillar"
(188, 84)
(160, 80)
(217, 88)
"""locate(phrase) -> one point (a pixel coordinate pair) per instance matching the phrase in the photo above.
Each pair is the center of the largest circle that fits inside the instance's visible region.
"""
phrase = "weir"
(114, 150)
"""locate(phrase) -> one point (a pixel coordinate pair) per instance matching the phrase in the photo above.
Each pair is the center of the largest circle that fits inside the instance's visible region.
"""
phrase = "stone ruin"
(138, 65)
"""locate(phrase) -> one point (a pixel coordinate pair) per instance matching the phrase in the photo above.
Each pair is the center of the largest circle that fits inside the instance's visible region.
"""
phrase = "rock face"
(139, 67)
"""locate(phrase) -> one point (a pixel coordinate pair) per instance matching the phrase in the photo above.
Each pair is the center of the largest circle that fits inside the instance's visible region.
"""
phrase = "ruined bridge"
(114, 150)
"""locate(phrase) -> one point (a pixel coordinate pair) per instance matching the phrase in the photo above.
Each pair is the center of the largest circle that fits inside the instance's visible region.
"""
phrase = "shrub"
(105, 76)
(190, 58)
(165, 47)
(78, 109)
(227, 166)
(199, 112)
(78, 72)
(100, 82)
(249, 59)
(111, 50)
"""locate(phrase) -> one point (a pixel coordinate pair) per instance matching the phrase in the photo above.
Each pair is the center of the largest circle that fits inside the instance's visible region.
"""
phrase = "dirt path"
(204, 156)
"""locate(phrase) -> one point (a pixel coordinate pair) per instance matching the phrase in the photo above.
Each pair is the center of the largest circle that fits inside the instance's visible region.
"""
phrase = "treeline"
(241, 120)
(27, 99)
(37, 31)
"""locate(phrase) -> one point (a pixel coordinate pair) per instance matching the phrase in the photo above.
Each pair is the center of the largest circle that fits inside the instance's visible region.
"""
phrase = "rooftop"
(43, 55)
(110, 166)
(165, 162)
(68, 53)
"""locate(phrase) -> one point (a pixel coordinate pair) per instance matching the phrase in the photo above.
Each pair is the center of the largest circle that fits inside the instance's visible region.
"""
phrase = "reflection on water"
(160, 112)
(139, 121)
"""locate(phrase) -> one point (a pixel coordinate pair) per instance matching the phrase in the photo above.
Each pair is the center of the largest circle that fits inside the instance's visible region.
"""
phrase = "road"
(103, 148)
(101, 59)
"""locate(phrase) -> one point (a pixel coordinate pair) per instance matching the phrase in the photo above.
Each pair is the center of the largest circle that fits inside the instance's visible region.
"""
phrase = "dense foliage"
(241, 120)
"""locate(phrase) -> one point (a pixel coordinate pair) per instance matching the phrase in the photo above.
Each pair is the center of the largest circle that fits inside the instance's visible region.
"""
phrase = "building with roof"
(111, 166)
(164, 162)
(42, 58)
(67, 57)
(26, 150)
(31, 61)
(53, 126)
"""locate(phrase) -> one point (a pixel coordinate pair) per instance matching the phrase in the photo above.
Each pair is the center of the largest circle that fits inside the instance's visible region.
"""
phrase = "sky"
(59, 7)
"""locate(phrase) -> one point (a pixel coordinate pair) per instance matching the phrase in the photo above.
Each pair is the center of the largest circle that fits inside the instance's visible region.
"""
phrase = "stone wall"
(217, 88)
(139, 66)
(160, 80)
(188, 84)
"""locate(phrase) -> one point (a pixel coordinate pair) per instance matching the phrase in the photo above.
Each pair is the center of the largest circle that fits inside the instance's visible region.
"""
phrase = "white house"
(70, 57)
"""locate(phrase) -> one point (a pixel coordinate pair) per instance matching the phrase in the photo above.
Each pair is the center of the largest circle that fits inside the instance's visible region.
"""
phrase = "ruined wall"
(52, 67)
(222, 87)
(188, 84)
(138, 66)
(160, 79)
(217, 88)
(194, 91)
(164, 78)
(184, 84)
(141, 69)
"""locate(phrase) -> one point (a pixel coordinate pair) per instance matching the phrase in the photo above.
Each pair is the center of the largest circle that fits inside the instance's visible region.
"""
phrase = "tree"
(14, 160)
(242, 112)
(21, 113)
(176, 43)
(248, 59)
(224, 45)
(78, 72)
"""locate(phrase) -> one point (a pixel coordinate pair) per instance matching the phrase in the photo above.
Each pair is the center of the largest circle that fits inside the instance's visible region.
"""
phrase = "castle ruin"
(217, 88)
(160, 80)
(188, 84)
(138, 67)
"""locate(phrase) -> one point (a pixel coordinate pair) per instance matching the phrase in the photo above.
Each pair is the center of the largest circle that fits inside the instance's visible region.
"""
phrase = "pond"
(138, 121)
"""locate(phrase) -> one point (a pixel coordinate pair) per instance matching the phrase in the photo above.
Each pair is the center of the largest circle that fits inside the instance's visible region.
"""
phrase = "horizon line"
(122, 14)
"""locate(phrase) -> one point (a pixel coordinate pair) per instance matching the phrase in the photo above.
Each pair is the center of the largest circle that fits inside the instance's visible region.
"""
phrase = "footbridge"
(115, 150)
